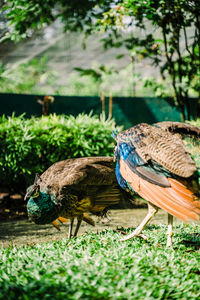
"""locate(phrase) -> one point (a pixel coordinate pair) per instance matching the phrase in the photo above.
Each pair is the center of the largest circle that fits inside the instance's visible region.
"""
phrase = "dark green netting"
(126, 111)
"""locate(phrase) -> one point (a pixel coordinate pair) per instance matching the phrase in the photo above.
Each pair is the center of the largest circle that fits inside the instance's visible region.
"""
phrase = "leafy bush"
(29, 146)
(98, 266)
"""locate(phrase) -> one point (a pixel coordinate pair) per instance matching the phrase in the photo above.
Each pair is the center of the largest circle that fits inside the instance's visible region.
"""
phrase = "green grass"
(98, 266)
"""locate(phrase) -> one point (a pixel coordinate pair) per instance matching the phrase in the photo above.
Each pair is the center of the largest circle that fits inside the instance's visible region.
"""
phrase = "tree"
(171, 39)
(170, 32)
(24, 16)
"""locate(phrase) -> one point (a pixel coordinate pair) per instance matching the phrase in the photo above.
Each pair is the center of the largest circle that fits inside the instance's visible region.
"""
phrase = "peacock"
(69, 189)
(153, 161)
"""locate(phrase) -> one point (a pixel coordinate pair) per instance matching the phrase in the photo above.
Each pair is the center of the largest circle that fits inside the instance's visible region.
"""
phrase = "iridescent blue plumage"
(120, 179)
(124, 150)
(128, 152)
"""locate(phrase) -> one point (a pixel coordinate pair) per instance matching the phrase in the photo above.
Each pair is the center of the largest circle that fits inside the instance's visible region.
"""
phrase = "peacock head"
(33, 191)
(43, 209)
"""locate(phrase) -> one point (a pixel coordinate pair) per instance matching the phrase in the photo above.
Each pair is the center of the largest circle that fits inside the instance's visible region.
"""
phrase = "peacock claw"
(130, 236)
(144, 237)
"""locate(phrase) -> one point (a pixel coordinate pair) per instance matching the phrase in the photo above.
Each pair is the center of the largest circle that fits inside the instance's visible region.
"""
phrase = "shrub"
(30, 146)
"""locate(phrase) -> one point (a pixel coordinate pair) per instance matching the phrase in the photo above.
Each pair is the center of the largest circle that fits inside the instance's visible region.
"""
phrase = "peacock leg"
(79, 220)
(70, 228)
(169, 231)
(152, 210)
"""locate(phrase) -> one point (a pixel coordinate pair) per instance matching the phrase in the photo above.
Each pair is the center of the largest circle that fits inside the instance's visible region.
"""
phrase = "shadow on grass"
(15, 228)
(191, 240)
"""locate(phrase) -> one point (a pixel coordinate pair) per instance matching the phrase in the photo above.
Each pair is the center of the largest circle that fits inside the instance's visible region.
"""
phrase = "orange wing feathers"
(177, 199)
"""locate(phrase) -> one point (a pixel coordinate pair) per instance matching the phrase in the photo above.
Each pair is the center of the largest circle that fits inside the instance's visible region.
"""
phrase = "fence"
(126, 111)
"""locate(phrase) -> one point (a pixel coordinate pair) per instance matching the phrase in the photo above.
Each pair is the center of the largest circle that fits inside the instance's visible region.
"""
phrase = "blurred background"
(75, 71)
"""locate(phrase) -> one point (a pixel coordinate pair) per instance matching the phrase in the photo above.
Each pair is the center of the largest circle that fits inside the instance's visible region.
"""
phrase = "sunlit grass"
(98, 266)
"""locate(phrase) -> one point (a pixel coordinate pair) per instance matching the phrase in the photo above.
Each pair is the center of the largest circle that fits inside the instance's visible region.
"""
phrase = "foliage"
(98, 266)
(97, 74)
(108, 79)
(24, 17)
(195, 123)
(28, 77)
(35, 77)
(169, 32)
(30, 146)
(169, 36)
(158, 87)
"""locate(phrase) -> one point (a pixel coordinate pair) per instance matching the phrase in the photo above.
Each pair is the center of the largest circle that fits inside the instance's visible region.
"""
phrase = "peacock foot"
(132, 235)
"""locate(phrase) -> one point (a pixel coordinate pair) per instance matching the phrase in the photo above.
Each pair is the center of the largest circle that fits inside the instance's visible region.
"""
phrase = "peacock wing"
(180, 127)
(96, 182)
(91, 179)
(176, 199)
(74, 171)
(153, 143)
(189, 134)
(89, 171)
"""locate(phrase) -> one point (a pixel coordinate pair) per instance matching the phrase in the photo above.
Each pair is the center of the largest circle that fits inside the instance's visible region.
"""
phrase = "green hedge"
(30, 146)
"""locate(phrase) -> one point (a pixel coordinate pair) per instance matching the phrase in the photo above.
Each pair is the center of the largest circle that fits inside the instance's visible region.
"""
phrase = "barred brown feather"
(154, 143)
(90, 181)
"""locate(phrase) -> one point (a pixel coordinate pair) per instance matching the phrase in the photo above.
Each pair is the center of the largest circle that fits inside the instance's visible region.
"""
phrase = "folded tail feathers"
(177, 199)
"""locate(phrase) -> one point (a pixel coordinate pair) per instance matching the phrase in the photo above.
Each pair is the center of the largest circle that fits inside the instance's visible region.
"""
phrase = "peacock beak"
(26, 197)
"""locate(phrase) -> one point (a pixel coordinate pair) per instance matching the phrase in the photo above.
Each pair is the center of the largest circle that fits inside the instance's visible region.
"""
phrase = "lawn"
(98, 266)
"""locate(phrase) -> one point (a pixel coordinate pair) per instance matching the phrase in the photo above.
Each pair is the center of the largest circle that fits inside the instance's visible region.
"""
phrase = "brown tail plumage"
(177, 199)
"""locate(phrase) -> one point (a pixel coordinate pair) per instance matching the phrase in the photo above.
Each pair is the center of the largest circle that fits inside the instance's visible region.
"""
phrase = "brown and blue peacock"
(71, 188)
(154, 162)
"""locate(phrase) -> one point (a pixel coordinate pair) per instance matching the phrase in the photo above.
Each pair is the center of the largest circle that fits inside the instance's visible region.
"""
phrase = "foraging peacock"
(153, 161)
(71, 188)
